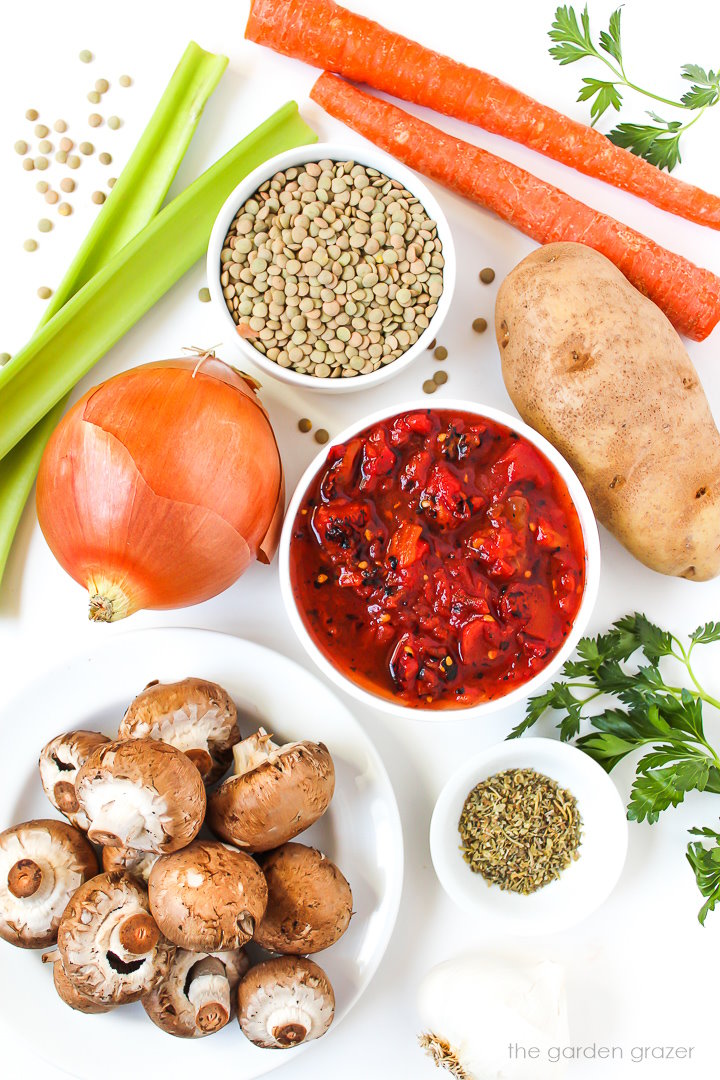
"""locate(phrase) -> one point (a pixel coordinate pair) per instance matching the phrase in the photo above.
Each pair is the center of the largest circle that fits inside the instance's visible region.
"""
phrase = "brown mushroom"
(284, 1002)
(137, 863)
(141, 794)
(194, 715)
(111, 948)
(60, 761)
(309, 901)
(197, 995)
(74, 997)
(207, 897)
(275, 792)
(42, 863)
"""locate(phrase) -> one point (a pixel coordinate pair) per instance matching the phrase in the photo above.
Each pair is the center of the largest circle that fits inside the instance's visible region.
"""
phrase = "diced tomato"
(521, 464)
(403, 546)
(416, 471)
(404, 427)
(377, 460)
(443, 498)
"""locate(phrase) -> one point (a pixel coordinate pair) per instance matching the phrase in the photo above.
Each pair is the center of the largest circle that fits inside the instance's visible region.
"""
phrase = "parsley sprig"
(643, 713)
(658, 142)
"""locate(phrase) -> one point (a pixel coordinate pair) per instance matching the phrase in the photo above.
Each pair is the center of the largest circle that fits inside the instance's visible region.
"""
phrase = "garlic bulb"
(481, 1015)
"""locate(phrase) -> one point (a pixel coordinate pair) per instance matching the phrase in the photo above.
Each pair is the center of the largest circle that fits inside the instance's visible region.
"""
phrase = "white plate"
(582, 887)
(361, 832)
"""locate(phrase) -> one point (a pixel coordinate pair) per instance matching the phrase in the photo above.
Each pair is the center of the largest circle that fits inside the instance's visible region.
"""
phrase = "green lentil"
(114, 122)
(65, 209)
(41, 131)
(440, 377)
(429, 386)
(93, 97)
(66, 144)
(67, 184)
(60, 126)
(45, 147)
(305, 425)
(85, 56)
(86, 148)
(42, 186)
(487, 275)
(105, 158)
(112, 181)
(125, 80)
(4, 357)
(479, 326)
(45, 225)
(44, 293)
(32, 114)
(61, 157)
(73, 161)
(440, 353)
(95, 120)
(21, 147)
(28, 164)
(51, 197)
(30, 245)
(102, 86)
(204, 295)
(321, 436)
(98, 197)
(41, 163)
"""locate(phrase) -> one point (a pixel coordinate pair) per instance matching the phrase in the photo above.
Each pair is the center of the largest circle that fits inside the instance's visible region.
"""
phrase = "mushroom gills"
(285, 1001)
(125, 814)
(59, 764)
(208, 990)
(256, 750)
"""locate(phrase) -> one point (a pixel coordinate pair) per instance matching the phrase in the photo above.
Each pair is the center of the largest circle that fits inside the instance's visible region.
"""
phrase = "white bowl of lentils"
(331, 271)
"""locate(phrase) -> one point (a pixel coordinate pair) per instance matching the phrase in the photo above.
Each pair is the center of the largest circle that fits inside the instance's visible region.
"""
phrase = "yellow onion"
(161, 486)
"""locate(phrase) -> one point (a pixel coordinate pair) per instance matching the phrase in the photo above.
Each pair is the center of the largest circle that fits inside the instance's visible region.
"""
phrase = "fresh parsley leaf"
(701, 97)
(706, 634)
(571, 42)
(657, 789)
(706, 867)
(606, 96)
(610, 39)
(660, 146)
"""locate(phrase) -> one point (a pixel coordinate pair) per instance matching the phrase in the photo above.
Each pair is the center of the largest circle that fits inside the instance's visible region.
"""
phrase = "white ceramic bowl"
(592, 565)
(376, 159)
(582, 887)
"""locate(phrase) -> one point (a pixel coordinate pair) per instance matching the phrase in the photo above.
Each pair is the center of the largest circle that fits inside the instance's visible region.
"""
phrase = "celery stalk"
(134, 279)
(134, 200)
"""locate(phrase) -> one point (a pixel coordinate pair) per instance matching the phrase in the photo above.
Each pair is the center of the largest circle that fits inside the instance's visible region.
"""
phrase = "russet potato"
(596, 367)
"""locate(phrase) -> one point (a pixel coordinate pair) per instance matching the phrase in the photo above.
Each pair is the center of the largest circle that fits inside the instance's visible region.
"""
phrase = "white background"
(641, 971)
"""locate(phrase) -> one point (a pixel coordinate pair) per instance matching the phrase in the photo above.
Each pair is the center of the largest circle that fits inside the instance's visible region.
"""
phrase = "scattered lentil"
(440, 377)
(95, 119)
(321, 436)
(66, 144)
(487, 275)
(67, 184)
(102, 86)
(204, 295)
(93, 97)
(42, 131)
(41, 163)
(86, 148)
(44, 293)
(335, 267)
(479, 326)
(440, 353)
(432, 344)
(21, 147)
(112, 181)
(45, 147)
(30, 245)
(114, 122)
(32, 114)
(125, 80)
(519, 830)
(85, 56)
(73, 161)
(51, 197)
(61, 157)
(305, 425)
(104, 158)
(28, 164)
(42, 186)
(60, 126)
(4, 357)
(65, 209)
(44, 225)
(429, 386)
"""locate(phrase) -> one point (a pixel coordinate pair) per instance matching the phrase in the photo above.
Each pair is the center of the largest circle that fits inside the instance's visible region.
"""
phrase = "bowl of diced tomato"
(438, 560)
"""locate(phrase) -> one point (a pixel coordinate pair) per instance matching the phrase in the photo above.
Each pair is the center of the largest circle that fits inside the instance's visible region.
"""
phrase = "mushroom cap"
(132, 861)
(288, 789)
(284, 1002)
(60, 761)
(207, 897)
(42, 863)
(100, 958)
(74, 997)
(194, 715)
(309, 901)
(141, 794)
(169, 1006)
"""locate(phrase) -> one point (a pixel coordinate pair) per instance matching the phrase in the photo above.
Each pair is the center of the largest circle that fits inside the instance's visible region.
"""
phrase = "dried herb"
(520, 830)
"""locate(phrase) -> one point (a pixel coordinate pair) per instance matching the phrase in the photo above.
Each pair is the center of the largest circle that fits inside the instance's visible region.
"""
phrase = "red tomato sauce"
(437, 559)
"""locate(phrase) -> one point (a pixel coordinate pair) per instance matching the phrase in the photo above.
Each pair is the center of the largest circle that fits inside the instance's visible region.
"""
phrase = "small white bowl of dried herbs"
(530, 835)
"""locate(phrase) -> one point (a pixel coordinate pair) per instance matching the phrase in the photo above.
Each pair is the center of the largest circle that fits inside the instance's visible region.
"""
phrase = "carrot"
(328, 36)
(689, 295)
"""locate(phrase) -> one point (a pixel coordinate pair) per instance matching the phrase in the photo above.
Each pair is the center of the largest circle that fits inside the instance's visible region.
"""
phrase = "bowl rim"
(591, 542)
(338, 151)
(528, 750)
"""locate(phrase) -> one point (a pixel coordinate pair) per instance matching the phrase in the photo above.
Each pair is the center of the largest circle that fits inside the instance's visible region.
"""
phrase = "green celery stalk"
(134, 200)
(135, 278)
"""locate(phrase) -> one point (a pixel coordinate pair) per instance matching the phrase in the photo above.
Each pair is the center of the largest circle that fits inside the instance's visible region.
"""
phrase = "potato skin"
(595, 367)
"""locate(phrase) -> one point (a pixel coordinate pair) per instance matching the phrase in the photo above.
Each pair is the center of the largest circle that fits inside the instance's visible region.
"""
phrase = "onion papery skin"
(161, 486)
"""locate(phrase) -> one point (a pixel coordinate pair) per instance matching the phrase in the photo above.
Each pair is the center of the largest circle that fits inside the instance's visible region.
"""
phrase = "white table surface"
(641, 970)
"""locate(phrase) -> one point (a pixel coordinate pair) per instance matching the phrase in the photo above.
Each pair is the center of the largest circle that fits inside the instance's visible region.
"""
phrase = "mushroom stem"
(209, 992)
(24, 878)
(66, 797)
(51, 957)
(138, 934)
(201, 760)
(289, 1034)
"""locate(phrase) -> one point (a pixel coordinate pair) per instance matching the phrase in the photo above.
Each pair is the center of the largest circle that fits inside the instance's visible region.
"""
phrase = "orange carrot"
(689, 295)
(328, 36)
